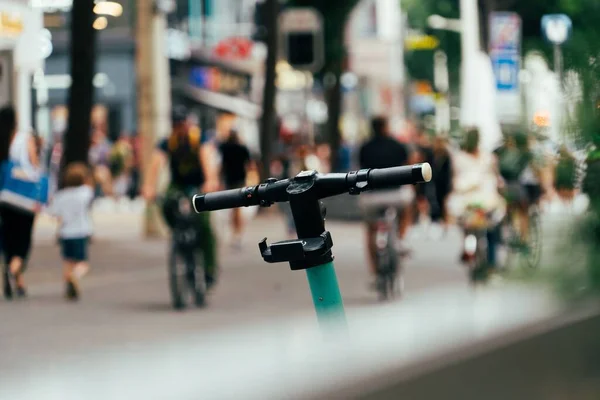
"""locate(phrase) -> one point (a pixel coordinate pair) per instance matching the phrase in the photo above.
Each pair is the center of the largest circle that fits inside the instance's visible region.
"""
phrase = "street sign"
(505, 32)
(505, 54)
(302, 38)
(506, 69)
(556, 28)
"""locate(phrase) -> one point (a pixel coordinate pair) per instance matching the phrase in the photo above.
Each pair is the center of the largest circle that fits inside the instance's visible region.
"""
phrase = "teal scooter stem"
(326, 294)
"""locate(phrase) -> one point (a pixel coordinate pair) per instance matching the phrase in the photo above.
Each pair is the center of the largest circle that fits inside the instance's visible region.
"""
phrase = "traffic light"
(300, 49)
(302, 38)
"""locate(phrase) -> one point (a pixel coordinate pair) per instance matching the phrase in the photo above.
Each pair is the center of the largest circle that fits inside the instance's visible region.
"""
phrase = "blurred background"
(297, 84)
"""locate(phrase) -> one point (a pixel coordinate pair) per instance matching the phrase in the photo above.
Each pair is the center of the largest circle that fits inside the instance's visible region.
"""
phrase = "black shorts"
(74, 249)
(534, 192)
(523, 193)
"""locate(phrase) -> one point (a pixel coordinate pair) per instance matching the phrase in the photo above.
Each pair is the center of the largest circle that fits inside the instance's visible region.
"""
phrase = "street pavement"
(126, 301)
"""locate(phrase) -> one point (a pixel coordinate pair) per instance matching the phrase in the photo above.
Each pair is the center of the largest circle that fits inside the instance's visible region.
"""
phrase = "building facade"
(374, 39)
(220, 75)
(115, 79)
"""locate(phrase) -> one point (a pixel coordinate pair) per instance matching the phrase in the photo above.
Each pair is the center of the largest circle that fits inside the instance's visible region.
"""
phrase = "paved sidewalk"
(126, 303)
(118, 245)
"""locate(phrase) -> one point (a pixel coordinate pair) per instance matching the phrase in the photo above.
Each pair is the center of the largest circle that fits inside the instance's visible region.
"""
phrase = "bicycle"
(312, 250)
(478, 225)
(515, 245)
(390, 271)
(185, 277)
(383, 210)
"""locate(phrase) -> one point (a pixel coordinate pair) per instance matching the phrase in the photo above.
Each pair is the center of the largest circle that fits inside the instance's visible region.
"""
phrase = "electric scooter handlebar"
(327, 185)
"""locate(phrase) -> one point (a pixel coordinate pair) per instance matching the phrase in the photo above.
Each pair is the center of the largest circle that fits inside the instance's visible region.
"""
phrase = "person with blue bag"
(23, 191)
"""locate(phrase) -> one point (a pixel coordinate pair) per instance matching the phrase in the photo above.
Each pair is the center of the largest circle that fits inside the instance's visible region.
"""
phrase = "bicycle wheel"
(535, 239)
(383, 276)
(182, 279)
(397, 282)
(197, 282)
(508, 248)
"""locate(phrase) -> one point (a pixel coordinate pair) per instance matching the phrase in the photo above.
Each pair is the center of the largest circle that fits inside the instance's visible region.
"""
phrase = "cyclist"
(519, 172)
(383, 151)
(476, 182)
(190, 159)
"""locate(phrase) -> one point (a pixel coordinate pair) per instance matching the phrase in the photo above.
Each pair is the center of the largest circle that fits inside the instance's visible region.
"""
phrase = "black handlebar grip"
(225, 199)
(397, 176)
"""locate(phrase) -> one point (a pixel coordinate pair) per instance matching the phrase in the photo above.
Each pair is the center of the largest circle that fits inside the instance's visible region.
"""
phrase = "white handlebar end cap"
(194, 203)
(427, 172)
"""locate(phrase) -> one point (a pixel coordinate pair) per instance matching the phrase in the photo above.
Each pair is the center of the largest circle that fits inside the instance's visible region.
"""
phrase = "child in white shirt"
(71, 205)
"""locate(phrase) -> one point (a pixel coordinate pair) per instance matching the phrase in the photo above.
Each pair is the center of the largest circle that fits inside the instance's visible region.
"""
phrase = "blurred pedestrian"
(99, 158)
(17, 222)
(442, 171)
(235, 163)
(121, 165)
(383, 151)
(7, 132)
(281, 168)
(476, 183)
(323, 153)
(71, 205)
(426, 204)
(565, 175)
(344, 157)
(191, 162)
(134, 185)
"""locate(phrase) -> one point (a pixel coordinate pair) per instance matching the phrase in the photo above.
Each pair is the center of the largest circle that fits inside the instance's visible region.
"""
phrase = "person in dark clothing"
(191, 162)
(235, 161)
(442, 169)
(383, 151)
(17, 223)
(426, 204)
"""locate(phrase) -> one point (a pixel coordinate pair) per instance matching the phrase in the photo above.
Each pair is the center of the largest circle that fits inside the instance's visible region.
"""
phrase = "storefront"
(21, 54)
(213, 89)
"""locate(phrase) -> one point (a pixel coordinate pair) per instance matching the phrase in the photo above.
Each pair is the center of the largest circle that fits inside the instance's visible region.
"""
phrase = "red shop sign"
(234, 48)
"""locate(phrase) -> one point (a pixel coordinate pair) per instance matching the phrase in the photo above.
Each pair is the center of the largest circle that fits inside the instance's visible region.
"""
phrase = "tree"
(81, 92)
(335, 16)
(267, 122)
(419, 64)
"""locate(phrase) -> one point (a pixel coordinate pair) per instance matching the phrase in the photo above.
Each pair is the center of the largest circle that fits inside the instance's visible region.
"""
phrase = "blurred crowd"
(226, 162)
(116, 165)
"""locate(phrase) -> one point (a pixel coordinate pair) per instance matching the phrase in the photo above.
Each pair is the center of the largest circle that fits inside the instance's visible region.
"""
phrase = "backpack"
(512, 163)
(183, 152)
(192, 138)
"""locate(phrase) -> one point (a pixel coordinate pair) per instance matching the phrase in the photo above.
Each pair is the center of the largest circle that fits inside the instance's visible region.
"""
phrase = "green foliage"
(591, 182)
(419, 63)
(583, 43)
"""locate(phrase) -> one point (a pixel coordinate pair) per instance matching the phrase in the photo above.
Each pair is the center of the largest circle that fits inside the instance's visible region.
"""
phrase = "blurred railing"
(554, 360)
(508, 343)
